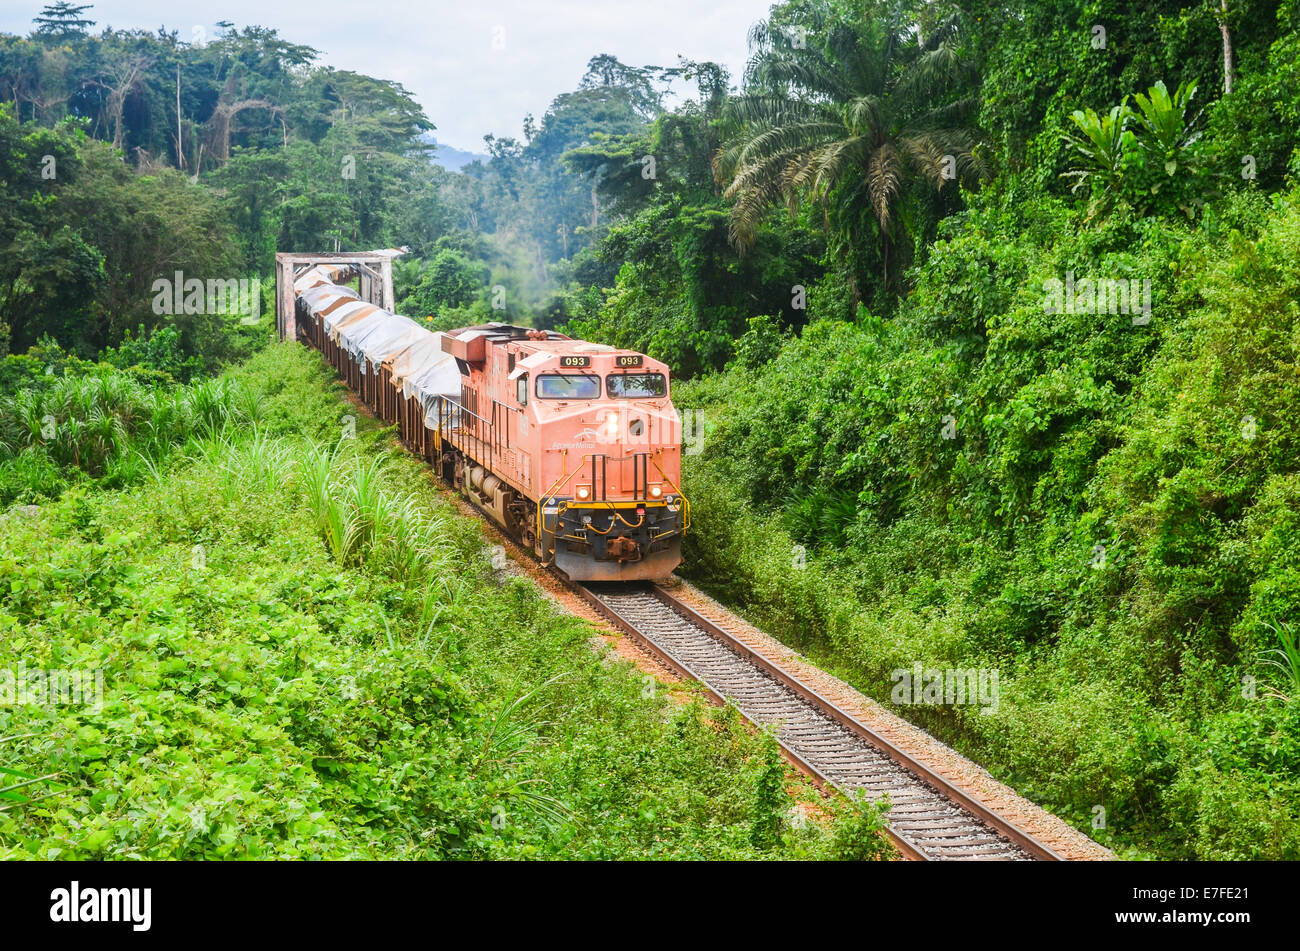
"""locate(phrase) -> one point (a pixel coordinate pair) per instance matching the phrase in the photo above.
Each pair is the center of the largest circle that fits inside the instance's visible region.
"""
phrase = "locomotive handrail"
(460, 435)
(541, 517)
(464, 409)
(686, 503)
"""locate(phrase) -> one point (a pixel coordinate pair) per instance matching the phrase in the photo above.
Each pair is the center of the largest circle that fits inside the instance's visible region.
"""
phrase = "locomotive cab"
(578, 450)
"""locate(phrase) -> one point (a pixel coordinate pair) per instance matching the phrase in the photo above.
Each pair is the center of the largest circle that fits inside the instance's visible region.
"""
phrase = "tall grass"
(110, 426)
(364, 490)
(342, 530)
(315, 466)
(1285, 658)
(361, 520)
(260, 462)
(512, 736)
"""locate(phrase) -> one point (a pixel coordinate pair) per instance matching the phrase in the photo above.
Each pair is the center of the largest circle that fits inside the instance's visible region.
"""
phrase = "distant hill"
(452, 158)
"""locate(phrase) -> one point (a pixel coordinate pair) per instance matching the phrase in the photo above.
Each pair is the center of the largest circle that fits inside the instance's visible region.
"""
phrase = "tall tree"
(1226, 33)
(851, 114)
(62, 21)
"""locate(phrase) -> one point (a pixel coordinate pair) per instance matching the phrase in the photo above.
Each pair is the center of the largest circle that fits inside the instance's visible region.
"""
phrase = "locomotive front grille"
(616, 540)
(647, 523)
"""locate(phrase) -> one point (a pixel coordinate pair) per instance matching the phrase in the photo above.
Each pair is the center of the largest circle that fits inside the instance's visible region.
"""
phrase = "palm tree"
(851, 115)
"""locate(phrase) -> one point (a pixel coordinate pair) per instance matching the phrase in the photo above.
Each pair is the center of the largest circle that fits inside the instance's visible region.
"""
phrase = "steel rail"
(940, 821)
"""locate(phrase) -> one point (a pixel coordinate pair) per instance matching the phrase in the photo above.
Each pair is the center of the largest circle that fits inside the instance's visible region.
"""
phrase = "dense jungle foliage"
(986, 314)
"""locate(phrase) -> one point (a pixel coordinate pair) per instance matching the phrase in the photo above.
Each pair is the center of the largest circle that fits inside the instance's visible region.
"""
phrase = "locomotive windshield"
(636, 386)
(568, 386)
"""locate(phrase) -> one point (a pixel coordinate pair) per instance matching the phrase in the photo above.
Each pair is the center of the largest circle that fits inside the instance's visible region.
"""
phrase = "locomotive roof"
(503, 332)
(567, 345)
(532, 339)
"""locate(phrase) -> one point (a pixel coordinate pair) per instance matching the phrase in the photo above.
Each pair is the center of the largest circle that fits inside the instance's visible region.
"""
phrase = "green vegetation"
(1108, 519)
(990, 311)
(267, 153)
(870, 112)
(306, 653)
(1149, 155)
(82, 248)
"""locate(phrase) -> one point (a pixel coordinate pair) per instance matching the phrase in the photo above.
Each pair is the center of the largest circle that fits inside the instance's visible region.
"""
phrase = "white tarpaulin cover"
(438, 376)
(321, 274)
(366, 332)
(382, 334)
(362, 323)
(351, 307)
(317, 300)
(415, 356)
(338, 324)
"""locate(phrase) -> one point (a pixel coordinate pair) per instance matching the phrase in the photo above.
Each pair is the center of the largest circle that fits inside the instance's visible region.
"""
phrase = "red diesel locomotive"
(574, 448)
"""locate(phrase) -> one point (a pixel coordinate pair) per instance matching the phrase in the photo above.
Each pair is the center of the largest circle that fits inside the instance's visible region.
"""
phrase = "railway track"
(929, 818)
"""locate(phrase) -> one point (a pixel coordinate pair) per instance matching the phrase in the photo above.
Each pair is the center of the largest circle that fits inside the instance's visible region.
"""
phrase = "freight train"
(573, 448)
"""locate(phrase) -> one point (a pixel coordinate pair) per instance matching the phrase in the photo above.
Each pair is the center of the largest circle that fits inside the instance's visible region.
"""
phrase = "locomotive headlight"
(609, 427)
(584, 492)
(656, 491)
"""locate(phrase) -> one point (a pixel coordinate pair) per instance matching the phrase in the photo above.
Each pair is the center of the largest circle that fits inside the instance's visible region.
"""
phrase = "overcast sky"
(477, 66)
